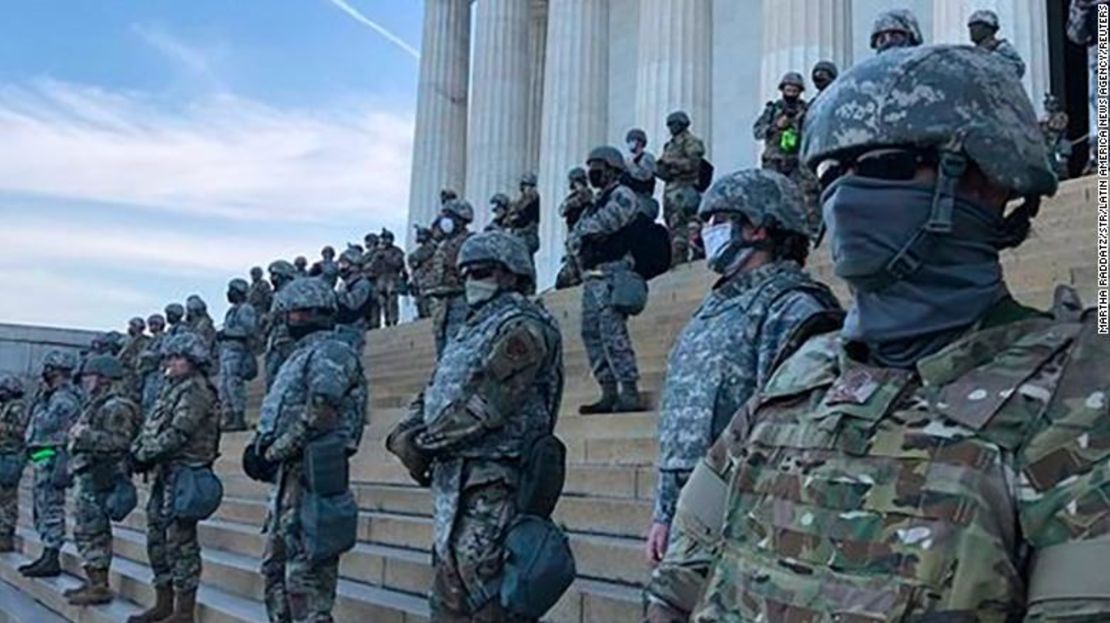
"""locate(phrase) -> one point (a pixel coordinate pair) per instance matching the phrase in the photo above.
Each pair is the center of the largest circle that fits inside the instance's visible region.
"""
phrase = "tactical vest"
(51, 417)
(719, 359)
(874, 494)
(93, 418)
(202, 446)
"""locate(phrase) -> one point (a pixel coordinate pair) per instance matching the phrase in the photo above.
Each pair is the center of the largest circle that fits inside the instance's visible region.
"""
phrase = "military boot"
(47, 566)
(629, 400)
(7, 543)
(184, 607)
(96, 592)
(162, 608)
(607, 403)
(81, 587)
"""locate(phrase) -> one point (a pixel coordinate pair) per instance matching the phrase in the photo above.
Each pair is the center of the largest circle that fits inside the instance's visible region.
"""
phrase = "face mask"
(633, 146)
(959, 278)
(479, 291)
(597, 178)
(446, 225)
(724, 256)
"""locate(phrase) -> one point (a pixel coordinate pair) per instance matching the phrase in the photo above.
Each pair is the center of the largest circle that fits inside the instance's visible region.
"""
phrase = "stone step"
(17, 606)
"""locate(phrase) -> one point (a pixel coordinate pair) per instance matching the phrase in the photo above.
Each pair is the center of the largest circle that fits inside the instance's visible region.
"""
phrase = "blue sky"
(157, 148)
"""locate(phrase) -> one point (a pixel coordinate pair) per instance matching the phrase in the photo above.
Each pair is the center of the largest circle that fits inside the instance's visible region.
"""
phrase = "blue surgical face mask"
(446, 225)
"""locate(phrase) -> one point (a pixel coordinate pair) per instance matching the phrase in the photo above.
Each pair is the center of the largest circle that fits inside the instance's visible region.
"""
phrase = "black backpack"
(650, 245)
(705, 176)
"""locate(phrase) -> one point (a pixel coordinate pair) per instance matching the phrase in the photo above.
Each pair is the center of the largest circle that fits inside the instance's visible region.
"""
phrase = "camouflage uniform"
(261, 294)
(135, 344)
(641, 174)
(1001, 48)
(419, 267)
(782, 142)
(13, 424)
(320, 388)
(575, 203)
(389, 272)
(446, 287)
(495, 391)
(237, 362)
(370, 266)
(354, 300)
(196, 316)
(278, 342)
(149, 367)
(523, 217)
(183, 431)
(1054, 126)
(679, 167)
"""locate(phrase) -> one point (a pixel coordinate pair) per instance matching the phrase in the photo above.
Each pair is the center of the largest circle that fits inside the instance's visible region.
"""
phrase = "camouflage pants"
(49, 508)
(475, 557)
(450, 313)
(9, 510)
(605, 335)
(678, 580)
(297, 590)
(423, 306)
(236, 363)
(680, 206)
(374, 312)
(152, 386)
(171, 545)
(391, 309)
(92, 530)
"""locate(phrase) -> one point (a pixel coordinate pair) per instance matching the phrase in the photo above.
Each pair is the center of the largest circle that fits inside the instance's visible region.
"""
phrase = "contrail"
(378, 28)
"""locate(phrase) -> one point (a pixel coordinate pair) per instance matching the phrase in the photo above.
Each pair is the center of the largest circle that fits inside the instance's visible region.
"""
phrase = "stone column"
(1024, 23)
(575, 112)
(675, 67)
(439, 144)
(497, 141)
(537, 52)
(797, 34)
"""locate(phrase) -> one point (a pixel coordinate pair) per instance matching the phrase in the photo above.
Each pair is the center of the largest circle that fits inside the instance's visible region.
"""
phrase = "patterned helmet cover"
(528, 179)
(282, 268)
(352, 255)
(188, 345)
(310, 293)
(156, 320)
(239, 286)
(897, 19)
(175, 309)
(195, 304)
(767, 198)
(11, 384)
(636, 134)
(577, 174)
(937, 96)
(500, 199)
(609, 155)
(792, 78)
(460, 208)
(137, 323)
(828, 66)
(104, 365)
(60, 359)
(985, 17)
(499, 247)
(680, 117)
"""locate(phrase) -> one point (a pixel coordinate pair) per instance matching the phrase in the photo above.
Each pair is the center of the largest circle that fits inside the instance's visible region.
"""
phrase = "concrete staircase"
(606, 508)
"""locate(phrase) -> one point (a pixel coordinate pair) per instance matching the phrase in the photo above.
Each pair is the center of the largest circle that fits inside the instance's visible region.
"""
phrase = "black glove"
(401, 442)
(255, 465)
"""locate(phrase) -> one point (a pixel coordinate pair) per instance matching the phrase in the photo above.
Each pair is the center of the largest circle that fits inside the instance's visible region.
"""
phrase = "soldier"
(150, 368)
(1054, 127)
(237, 362)
(183, 432)
(278, 342)
(419, 263)
(98, 444)
(326, 268)
(896, 28)
(780, 129)
(823, 74)
(261, 293)
(13, 425)
(641, 172)
(175, 317)
(55, 408)
(391, 276)
(680, 167)
(507, 368)
(523, 218)
(320, 394)
(369, 265)
(134, 345)
(757, 239)
(113, 343)
(604, 328)
(982, 27)
(353, 299)
(930, 461)
(196, 316)
(580, 198)
(446, 287)
(300, 263)
(1082, 29)
(499, 213)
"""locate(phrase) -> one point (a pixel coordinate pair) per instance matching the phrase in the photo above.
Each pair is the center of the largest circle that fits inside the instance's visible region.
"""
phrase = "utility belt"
(55, 459)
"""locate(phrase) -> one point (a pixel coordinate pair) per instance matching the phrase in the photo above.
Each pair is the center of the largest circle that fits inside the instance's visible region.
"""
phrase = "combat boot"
(7, 543)
(47, 567)
(81, 586)
(184, 607)
(96, 591)
(162, 608)
(607, 403)
(629, 400)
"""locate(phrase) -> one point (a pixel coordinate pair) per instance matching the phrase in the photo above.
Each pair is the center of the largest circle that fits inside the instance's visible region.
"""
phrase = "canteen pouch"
(197, 493)
(60, 476)
(121, 500)
(329, 525)
(325, 470)
(544, 474)
(103, 475)
(11, 469)
(539, 566)
(629, 293)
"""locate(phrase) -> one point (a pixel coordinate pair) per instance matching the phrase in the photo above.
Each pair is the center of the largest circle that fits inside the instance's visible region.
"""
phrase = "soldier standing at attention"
(523, 218)
(300, 264)
(261, 293)
(419, 262)
(53, 412)
(278, 342)
(896, 28)
(780, 129)
(757, 240)
(680, 168)
(933, 460)
(129, 356)
(495, 392)
(576, 202)
(175, 318)
(641, 172)
(369, 267)
(982, 27)
(446, 283)
(390, 271)
(182, 433)
(353, 299)
(499, 213)
(13, 425)
(604, 328)
(317, 403)
(99, 442)
(237, 362)
(150, 368)
(196, 316)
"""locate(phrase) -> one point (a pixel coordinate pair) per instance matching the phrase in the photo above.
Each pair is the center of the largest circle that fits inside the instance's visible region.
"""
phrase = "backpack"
(705, 176)
(650, 245)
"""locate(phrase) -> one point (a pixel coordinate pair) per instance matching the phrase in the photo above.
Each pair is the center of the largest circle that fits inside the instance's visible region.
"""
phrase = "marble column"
(575, 112)
(675, 65)
(497, 141)
(537, 53)
(1024, 23)
(439, 144)
(797, 34)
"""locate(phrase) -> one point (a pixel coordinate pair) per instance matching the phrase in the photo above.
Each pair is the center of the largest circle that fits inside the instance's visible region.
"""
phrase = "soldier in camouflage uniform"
(237, 362)
(326, 268)
(780, 129)
(823, 74)
(196, 316)
(52, 413)
(680, 167)
(13, 425)
(300, 264)
(353, 299)
(446, 287)
(575, 203)
(278, 342)
(374, 307)
(757, 239)
(320, 390)
(641, 172)
(523, 218)
(936, 459)
(175, 319)
(134, 345)
(389, 276)
(149, 364)
(982, 27)
(183, 431)
(1054, 127)
(604, 329)
(495, 391)
(896, 28)
(261, 294)
(499, 213)
(419, 263)
(98, 444)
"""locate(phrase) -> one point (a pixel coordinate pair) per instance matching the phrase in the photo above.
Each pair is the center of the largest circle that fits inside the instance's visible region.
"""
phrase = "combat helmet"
(114, 340)
(195, 305)
(387, 235)
(106, 366)
(352, 255)
(896, 20)
(678, 117)
(500, 248)
(500, 199)
(174, 312)
(59, 360)
(985, 17)
(577, 174)
(827, 66)
(461, 209)
(238, 286)
(447, 194)
(636, 134)
(766, 198)
(156, 320)
(11, 385)
(256, 272)
(306, 294)
(608, 154)
(188, 345)
(137, 323)
(528, 179)
(792, 78)
(282, 269)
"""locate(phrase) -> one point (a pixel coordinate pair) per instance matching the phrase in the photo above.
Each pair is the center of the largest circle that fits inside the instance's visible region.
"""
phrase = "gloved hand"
(402, 443)
(255, 465)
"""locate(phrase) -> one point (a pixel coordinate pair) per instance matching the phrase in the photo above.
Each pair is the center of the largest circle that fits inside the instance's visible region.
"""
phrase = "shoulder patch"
(519, 346)
(813, 365)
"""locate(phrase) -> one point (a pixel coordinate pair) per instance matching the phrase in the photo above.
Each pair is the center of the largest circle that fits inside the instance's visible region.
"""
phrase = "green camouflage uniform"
(679, 167)
(419, 265)
(13, 424)
(446, 289)
(778, 158)
(389, 273)
(129, 358)
(572, 208)
(149, 367)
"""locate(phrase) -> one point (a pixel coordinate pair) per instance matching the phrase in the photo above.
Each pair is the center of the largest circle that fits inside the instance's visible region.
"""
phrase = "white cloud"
(359, 17)
(192, 58)
(43, 296)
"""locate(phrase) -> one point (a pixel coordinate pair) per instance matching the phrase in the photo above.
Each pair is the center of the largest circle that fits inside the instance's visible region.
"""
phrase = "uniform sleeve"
(120, 424)
(329, 379)
(617, 214)
(667, 487)
(188, 414)
(784, 318)
(763, 122)
(1011, 55)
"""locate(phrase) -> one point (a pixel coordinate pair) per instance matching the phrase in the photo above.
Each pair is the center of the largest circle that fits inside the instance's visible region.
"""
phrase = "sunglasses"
(478, 272)
(895, 164)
